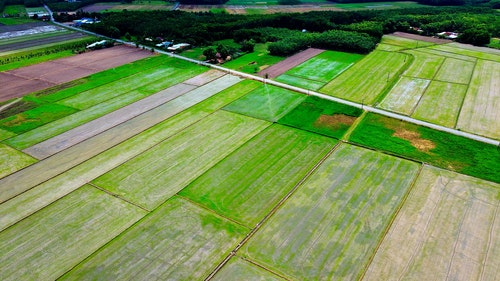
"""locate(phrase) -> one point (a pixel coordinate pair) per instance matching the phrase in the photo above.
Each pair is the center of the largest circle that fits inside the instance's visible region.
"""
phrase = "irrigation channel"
(299, 90)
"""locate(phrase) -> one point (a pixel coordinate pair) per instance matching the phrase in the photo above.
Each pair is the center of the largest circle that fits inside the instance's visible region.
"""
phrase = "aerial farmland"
(128, 164)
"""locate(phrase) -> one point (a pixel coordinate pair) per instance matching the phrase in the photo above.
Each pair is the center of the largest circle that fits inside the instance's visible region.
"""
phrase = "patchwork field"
(369, 78)
(333, 221)
(448, 229)
(319, 70)
(453, 85)
(161, 169)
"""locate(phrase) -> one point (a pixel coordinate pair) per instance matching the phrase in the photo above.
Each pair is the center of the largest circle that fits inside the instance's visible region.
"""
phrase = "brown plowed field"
(40, 41)
(22, 81)
(281, 67)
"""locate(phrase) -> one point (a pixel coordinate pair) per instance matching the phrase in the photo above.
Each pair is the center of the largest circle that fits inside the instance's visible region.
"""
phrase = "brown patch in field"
(415, 139)
(334, 121)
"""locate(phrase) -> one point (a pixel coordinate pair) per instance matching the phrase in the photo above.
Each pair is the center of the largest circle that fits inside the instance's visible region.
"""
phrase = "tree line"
(354, 31)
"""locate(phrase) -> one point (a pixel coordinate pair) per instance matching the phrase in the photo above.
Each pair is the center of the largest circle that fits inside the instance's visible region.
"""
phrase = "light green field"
(300, 82)
(6, 134)
(448, 229)
(405, 95)
(248, 183)
(446, 54)
(47, 244)
(238, 269)
(47, 191)
(388, 47)
(441, 103)
(480, 112)
(455, 71)
(146, 83)
(266, 102)
(152, 177)
(12, 160)
(332, 224)
(404, 43)
(325, 66)
(424, 65)
(366, 80)
(14, 10)
(470, 51)
(178, 241)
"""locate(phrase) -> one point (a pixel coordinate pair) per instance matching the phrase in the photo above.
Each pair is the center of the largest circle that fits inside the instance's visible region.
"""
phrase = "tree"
(247, 46)
(210, 54)
(478, 36)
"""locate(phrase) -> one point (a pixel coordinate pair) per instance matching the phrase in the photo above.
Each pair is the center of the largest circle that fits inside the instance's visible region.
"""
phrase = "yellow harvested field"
(481, 109)
(448, 229)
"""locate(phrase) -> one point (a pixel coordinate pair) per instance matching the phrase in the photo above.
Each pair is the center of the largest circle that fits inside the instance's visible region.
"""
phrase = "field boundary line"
(118, 196)
(392, 82)
(391, 222)
(465, 94)
(208, 209)
(351, 129)
(455, 245)
(273, 211)
(263, 267)
(490, 234)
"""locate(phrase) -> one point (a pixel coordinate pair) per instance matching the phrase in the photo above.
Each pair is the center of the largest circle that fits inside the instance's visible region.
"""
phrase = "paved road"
(312, 93)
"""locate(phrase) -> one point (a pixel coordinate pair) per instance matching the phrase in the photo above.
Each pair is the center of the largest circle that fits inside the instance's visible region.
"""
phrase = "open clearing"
(448, 229)
(330, 227)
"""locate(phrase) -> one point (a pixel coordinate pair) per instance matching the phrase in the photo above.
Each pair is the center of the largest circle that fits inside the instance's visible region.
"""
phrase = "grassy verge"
(437, 148)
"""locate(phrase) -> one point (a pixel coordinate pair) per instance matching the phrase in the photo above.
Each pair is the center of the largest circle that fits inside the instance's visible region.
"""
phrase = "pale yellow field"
(481, 109)
(448, 229)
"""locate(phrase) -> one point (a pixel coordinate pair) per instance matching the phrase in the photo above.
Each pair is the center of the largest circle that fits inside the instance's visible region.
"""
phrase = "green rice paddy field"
(222, 178)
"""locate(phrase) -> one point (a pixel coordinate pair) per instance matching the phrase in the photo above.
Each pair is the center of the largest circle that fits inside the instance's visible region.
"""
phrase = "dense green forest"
(355, 31)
